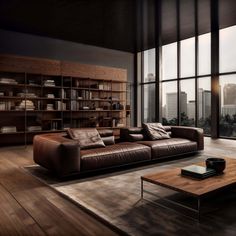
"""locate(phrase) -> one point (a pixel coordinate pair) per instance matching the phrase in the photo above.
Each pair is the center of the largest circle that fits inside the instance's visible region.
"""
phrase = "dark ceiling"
(127, 25)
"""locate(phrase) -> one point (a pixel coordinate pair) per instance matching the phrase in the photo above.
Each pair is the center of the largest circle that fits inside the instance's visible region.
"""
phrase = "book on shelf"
(50, 107)
(8, 81)
(25, 105)
(199, 172)
(8, 129)
(49, 83)
(34, 128)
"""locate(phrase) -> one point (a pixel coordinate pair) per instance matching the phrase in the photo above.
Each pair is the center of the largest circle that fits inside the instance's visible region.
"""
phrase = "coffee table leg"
(199, 208)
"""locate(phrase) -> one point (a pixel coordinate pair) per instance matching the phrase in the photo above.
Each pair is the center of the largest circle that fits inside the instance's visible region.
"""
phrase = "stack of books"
(199, 172)
(34, 128)
(8, 129)
(49, 107)
(49, 82)
(27, 95)
(26, 105)
(8, 81)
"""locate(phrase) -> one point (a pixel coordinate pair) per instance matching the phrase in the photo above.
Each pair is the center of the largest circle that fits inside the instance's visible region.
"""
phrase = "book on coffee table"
(199, 172)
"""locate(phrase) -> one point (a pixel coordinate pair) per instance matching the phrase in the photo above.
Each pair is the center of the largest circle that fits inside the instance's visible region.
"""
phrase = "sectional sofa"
(62, 155)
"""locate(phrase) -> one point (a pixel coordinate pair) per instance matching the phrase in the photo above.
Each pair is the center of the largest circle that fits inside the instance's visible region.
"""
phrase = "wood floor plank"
(54, 214)
(15, 220)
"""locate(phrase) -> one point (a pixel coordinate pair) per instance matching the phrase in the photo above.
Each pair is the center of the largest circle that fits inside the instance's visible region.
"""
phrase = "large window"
(169, 61)
(148, 85)
(185, 85)
(187, 57)
(187, 102)
(169, 103)
(227, 89)
(149, 102)
(149, 65)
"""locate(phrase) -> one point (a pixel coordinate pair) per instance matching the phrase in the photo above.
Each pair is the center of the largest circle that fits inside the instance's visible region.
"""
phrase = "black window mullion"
(214, 69)
(196, 62)
(178, 61)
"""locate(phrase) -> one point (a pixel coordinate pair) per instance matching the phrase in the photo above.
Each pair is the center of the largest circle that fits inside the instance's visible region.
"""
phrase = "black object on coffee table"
(218, 164)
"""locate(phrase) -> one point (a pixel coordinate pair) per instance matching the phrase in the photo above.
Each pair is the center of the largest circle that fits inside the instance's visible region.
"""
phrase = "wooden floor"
(28, 207)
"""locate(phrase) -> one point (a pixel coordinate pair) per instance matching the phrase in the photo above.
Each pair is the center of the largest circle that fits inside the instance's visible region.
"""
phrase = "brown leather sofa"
(62, 155)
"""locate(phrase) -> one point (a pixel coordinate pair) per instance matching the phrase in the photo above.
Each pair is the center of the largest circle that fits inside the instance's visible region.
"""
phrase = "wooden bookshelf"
(34, 100)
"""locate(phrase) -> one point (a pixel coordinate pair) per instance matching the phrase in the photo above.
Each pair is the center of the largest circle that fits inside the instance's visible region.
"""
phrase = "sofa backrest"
(134, 134)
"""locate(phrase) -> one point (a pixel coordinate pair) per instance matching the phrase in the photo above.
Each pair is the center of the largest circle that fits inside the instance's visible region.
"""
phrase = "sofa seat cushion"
(114, 155)
(170, 147)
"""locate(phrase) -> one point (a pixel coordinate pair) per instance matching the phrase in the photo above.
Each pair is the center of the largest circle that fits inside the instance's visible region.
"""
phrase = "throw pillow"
(87, 138)
(155, 131)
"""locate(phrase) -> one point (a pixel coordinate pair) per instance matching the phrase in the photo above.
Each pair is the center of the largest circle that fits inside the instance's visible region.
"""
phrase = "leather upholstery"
(105, 132)
(62, 155)
(86, 137)
(191, 133)
(170, 147)
(57, 153)
(118, 154)
(131, 134)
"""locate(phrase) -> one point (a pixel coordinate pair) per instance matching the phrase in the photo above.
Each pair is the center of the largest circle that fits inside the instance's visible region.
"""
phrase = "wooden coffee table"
(198, 189)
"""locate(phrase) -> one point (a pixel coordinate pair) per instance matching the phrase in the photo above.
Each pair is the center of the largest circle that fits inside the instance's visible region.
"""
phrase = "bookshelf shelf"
(72, 100)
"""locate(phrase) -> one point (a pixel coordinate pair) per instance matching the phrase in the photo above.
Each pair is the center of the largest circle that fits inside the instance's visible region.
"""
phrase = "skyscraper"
(229, 93)
(171, 104)
(204, 101)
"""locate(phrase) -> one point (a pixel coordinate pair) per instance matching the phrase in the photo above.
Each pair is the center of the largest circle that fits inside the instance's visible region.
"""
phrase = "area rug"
(115, 198)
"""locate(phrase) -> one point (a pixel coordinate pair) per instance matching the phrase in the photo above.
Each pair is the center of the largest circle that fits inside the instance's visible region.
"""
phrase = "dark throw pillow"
(109, 140)
(155, 131)
(87, 138)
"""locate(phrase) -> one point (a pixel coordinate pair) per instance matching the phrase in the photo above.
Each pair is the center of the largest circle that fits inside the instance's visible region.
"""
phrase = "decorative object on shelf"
(117, 106)
(218, 164)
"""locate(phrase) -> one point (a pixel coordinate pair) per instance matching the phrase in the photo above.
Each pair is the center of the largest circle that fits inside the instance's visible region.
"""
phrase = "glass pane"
(149, 102)
(169, 61)
(228, 106)
(204, 54)
(204, 104)
(187, 102)
(228, 49)
(187, 57)
(169, 103)
(149, 72)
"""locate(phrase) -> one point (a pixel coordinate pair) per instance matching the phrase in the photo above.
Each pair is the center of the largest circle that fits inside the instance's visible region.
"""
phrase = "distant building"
(183, 103)
(191, 109)
(204, 100)
(229, 93)
(171, 104)
(149, 103)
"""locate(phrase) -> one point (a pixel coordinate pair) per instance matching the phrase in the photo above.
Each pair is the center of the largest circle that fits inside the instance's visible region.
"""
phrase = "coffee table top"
(173, 179)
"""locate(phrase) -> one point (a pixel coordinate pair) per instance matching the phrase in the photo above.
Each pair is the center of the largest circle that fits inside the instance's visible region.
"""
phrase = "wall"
(44, 47)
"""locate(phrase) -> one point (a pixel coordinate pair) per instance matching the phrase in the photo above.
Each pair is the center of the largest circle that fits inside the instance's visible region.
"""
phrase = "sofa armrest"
(192, 133)
(57, 153)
